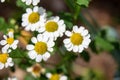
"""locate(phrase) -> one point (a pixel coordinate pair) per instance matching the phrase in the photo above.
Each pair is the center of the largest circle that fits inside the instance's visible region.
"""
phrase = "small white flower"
(12, 78)
(53, 28)
(8, 43)
(2, 1)
(78, 39)
(29, 2)
(5, 61)
(41, 48)
(36, 70)
(33, 19)
(56, 76)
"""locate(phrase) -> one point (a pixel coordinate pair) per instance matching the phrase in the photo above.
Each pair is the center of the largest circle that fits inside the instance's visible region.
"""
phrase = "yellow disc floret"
(40, 47)
(51, 26)
(3, 58)
(34, 17)
(76, 39)
(10, 40)
(55, 77)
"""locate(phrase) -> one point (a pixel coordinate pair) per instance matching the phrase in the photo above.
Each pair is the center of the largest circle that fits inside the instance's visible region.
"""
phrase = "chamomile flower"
(56, 76)
(33, 19)
(5, 60)
(2, 1)
(41, 48)
(28, 2)
(36, 70)
(53, 28)
(8, 43)
(78, 39)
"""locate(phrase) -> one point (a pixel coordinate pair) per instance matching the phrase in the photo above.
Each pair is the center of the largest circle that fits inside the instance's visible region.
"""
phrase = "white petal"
(35, 9)
(3, 42)
(68, 45)
(50, 44)
(39, 37)
(9, 50)
(32, 54)
(34, 40)
(63, 78)
(14, 46)
(33, 28)
(11, 64)
(75, 28)
(29, 47)
(38, 58)
(68, 33)
(41, 10)
(70, 48)
(61, 22)
(41, 29)
(75, 49)
(50, 49)
(66, 41)
(28, 10)
(16, 42)
(46, 56)
(29, 69)
(81, 29)
(9, 60)
(6, 65)
(45, 38)
(10, 34)
(4, 36)
(5, 48)
(84, 33)
(48, 75)
(1, 65)
(81, 49)
(28, 2)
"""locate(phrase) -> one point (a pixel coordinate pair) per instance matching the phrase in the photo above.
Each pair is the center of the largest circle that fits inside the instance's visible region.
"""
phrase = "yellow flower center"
(40, 47)
(10, 40)
(51, 26)
(76, 39)
(34, 17)
(55, 77)
(3, 58)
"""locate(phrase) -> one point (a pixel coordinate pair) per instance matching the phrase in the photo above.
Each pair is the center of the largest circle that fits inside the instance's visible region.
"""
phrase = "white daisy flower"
(29, 2)
(2, 1)
(56, 76)
(5, 61)
(78, 39)
(33, 19)
(8, 43)
(53, 28)
(41, 48)
(36, 70)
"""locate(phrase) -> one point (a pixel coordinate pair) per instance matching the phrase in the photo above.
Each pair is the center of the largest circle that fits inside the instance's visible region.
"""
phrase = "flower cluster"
(8, 44)
(49, 29)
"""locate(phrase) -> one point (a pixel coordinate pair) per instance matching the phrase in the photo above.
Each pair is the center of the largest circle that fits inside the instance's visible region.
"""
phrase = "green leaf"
(18, 53)
(29, 77)
(103, 44)
(19, 3)
(85, 56)
(84, 3)
(67, 17)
